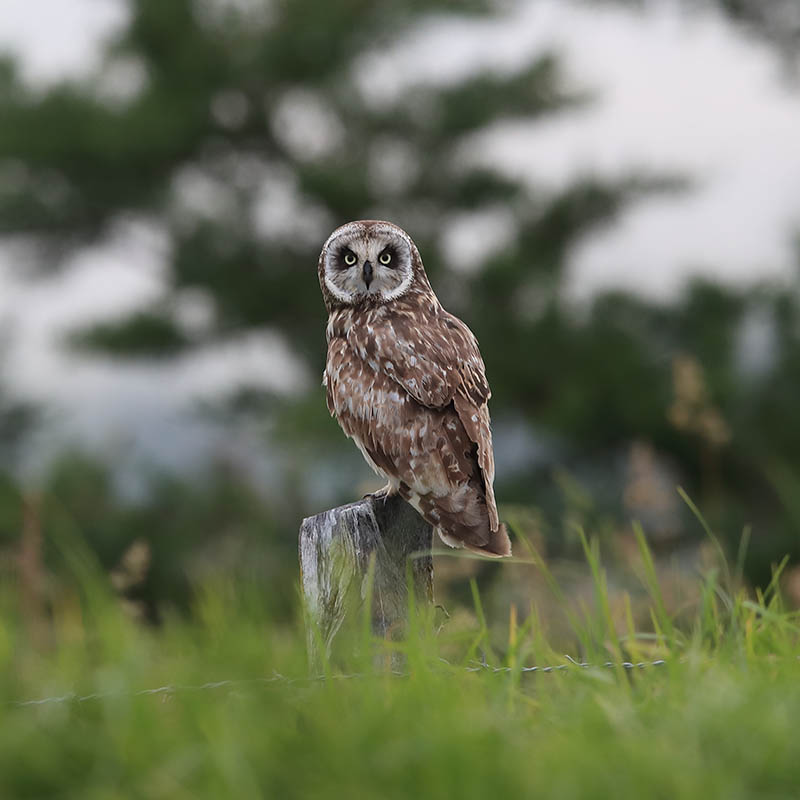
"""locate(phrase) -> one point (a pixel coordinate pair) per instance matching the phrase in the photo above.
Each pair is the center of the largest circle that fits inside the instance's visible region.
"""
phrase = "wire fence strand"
(170, 689)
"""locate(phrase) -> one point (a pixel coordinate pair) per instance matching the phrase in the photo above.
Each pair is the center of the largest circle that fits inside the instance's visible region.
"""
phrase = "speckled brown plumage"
(407, 383)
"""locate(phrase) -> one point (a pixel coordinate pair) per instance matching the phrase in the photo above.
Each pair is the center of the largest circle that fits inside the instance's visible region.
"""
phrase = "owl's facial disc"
(367, 263)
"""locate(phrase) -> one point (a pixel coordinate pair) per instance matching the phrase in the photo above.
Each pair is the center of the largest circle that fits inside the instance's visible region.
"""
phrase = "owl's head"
(369, 261)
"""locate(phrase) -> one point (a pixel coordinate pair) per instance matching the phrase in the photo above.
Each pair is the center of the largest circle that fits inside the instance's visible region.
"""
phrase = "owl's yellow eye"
(350, 259)
(385, 258)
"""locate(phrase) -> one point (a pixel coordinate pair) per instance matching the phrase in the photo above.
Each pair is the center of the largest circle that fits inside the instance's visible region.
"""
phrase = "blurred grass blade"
(652, 584)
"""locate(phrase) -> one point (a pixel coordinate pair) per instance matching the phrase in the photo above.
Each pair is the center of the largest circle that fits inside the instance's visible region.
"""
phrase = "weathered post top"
(336, 550)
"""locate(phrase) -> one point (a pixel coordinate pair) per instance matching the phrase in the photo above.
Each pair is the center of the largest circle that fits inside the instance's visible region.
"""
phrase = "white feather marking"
(336, 291)
(449, 540)
(401, 288)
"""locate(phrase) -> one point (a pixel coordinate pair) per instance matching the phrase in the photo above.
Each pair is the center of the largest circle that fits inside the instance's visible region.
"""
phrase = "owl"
(406, 382)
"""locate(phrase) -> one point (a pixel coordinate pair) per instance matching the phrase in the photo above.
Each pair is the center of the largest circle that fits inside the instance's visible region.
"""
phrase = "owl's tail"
(461, 523)
(498, 546)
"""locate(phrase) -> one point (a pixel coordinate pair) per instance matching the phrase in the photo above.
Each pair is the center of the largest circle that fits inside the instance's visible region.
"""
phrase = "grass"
(718, 719)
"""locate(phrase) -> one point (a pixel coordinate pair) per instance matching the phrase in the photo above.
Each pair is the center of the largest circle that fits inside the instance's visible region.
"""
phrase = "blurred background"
(608, 193)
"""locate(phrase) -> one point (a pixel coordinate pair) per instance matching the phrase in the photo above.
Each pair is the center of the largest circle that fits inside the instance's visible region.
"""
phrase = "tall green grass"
(718, 719)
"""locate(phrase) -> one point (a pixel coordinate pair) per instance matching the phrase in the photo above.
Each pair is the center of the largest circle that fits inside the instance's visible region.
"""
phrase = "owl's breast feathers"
(407, 383)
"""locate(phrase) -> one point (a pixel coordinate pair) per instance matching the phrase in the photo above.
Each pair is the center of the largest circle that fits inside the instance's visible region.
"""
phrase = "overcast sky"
(686, 95)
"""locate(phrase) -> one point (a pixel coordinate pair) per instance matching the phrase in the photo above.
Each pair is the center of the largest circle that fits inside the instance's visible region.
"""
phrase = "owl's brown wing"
(437, 361)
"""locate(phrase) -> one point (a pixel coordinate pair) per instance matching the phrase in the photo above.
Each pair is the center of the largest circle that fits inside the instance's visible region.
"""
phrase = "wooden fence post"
(346, 548)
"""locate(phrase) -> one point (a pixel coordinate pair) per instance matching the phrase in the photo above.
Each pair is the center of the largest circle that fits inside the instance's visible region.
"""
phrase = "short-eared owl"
(406, 382)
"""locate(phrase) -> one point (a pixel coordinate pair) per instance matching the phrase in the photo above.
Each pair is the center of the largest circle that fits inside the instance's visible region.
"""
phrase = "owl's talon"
(382, 494)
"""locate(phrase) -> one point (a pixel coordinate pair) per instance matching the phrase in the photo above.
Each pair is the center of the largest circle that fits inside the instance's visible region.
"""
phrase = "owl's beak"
(367, 274)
